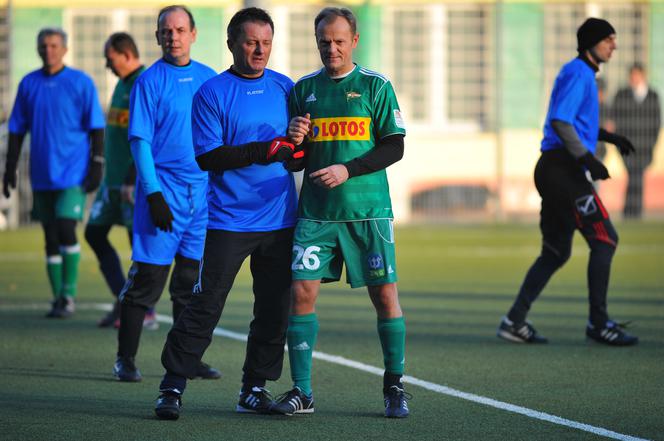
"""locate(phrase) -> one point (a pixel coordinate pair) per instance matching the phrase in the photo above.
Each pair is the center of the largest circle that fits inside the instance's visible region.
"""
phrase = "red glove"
(280, 149)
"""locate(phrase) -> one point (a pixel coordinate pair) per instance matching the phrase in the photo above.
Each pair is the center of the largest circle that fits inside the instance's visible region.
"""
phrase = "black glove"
(298, 161)
(159, 211)
(9, 179)
(277, 150)
(594, 166)
(95, 172)
(11, 162)
(624, 145)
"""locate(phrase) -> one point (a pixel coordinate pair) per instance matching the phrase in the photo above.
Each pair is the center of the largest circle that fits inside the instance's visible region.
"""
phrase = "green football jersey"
(347, 117)
(116, 143)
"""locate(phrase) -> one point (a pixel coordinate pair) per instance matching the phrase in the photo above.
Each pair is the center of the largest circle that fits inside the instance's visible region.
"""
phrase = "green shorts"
(50, 205)
(366, 247)
(109, 209)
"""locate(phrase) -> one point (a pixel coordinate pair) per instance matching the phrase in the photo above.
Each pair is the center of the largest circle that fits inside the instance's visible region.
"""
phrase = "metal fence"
(473, 80)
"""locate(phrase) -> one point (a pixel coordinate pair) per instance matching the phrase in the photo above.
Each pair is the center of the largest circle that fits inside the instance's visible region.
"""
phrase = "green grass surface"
(455, 283)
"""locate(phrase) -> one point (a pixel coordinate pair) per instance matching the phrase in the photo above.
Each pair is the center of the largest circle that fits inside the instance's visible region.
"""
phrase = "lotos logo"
(118, 117)
(340, 129)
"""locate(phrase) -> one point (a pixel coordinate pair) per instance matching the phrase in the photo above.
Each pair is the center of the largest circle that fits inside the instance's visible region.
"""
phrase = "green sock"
(392, 334)
(71, 255)
(54, 271)
(301, 335)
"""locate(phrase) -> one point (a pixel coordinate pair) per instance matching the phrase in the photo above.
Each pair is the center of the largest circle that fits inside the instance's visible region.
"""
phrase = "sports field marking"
(438, 388)
(336, 359)
(448, 251)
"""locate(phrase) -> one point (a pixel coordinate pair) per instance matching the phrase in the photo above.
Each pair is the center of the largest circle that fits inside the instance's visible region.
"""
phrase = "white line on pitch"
(449, 251)
(336, 359)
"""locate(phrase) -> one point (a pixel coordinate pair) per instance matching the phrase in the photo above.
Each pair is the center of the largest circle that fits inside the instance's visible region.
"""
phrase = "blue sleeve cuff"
(141, 150)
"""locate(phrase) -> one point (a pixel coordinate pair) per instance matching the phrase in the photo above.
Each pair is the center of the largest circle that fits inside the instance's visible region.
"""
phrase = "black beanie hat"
(591, 32)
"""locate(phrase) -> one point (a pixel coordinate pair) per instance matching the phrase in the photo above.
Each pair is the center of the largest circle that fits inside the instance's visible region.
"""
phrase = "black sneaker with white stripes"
(292, 402)
(519, 332)
(168, 405)
(125, 369)
(256, 400)
(611, 334)
(396, 402)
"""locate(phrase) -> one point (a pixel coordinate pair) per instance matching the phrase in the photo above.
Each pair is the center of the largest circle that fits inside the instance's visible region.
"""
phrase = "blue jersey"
(229, 110)
(59, 111)
(574, 100)
(160, 114)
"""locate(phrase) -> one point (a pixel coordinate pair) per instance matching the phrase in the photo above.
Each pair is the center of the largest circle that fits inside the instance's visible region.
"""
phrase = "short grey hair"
(46, 32)
(332, 12)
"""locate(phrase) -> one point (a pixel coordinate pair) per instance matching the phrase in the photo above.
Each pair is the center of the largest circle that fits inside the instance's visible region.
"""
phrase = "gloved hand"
(161, 214)
(280, 149)
(95, 172)
(624, 145)
(298, 161)
(9, 179)
(594, 166)
(277, 150)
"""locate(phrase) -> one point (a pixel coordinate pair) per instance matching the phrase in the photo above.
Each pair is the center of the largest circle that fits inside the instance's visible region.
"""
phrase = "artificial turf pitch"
(455, 282)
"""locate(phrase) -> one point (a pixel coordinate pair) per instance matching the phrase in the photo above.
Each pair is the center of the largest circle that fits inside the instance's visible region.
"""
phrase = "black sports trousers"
(569, 203)
(143, 289)
(270, 263)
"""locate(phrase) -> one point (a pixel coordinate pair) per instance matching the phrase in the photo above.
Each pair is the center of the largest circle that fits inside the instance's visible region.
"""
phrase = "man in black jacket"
(637, 116)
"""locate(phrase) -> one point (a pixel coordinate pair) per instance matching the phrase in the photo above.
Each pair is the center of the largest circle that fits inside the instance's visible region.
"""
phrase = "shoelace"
(617, 327)
(623, 325)
(169, 393)
(400, 393)
(128, 363)
(261, 393)
(290, 394)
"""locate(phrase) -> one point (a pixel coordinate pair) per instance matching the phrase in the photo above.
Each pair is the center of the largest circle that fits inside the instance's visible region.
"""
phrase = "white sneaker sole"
(509, 336)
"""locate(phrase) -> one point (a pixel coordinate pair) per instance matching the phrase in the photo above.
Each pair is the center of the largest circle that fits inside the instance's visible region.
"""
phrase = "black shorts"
(569, 201)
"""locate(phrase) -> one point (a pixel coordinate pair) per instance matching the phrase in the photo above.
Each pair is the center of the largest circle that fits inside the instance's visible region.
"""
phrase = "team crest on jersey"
(586, 205)
(352, 95)
(340, 129)
(398, 119)
(376, 265)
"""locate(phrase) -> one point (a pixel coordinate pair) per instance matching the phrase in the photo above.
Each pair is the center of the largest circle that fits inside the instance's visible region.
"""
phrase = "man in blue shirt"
(569, 200)
(235, 119)
(170, 214)
(60, 108)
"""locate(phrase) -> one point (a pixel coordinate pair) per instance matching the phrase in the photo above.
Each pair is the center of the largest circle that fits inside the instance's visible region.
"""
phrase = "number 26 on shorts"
(305, 258)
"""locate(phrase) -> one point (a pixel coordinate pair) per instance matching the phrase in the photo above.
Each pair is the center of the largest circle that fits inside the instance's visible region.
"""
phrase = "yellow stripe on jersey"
(118, 117)
(340, 129)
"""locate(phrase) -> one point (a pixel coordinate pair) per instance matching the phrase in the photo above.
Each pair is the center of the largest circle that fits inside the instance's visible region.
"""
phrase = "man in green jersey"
(114, 202)
(347, 118)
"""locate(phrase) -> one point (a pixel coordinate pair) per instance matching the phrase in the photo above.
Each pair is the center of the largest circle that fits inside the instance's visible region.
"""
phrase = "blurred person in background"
(636, 112)
(569, 200)
(60, 108)
(114, 204)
